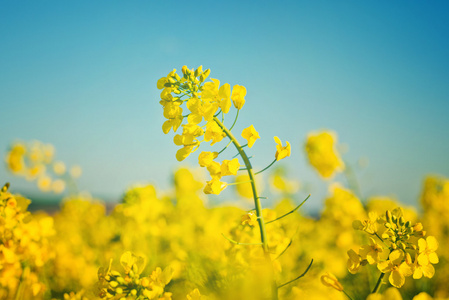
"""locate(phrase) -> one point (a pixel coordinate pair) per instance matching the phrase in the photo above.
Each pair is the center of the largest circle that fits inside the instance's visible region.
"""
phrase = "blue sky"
(82, 76)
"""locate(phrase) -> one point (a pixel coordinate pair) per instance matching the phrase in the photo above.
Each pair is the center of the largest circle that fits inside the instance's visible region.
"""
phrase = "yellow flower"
(371, 252)
(130, 261)
(330, 280)
(213, 132)
(194, 295)
(214, 169)
(214, 186)
(281, 152)
(206, 158)
(44, 183)
(322, 155)
(397, 266)
(419, 270)
(224, 94)
(172, 123)
(250, 219)
(251, 135)
(230, 167)
(427, 250)
(183, 153)
(238, 96)
(58, 186)
(59, 167)
(354, 262)
(422, 296)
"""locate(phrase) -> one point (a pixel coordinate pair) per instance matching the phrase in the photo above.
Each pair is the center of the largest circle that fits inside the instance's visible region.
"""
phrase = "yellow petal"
(397, 279)
(432, 243)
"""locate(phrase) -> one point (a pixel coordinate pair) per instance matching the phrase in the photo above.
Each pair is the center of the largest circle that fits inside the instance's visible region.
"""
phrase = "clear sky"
(82, 76)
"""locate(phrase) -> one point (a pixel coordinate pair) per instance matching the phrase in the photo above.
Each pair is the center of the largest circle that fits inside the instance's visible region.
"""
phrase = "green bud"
(394, 219)
(5, 187)
(388, 216)
(198, 71)
(408, 224)
(115, 274)
(401, 221)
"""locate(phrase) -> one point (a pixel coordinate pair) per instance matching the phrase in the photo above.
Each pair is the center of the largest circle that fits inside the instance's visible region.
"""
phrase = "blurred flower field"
(175, 246)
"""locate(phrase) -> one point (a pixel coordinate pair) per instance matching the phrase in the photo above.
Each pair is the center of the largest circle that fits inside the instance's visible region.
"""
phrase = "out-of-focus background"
(82, 75)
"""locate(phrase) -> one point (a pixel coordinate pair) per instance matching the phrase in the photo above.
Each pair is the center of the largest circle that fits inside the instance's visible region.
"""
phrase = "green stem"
(258, 206)
(346, 294)
(378, 284)
(266, 167)
(235, 120)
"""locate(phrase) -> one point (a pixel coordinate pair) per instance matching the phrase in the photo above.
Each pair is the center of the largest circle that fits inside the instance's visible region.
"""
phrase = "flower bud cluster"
(407, 252)
(203, 100)
(113, 285)
(24, 248)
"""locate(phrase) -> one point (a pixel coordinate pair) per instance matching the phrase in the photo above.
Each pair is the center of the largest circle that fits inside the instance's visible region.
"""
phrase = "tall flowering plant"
(201, 108)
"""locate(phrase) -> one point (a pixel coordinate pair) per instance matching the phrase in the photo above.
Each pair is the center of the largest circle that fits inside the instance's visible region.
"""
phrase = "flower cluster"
(205, 101)
(35, 161)
(24, 248)
(113, 285)
(397, 247)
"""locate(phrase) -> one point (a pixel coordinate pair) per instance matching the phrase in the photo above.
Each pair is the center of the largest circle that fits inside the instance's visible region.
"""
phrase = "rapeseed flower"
(281, 151)
(397, 267)
(322, 155)
(251, 135)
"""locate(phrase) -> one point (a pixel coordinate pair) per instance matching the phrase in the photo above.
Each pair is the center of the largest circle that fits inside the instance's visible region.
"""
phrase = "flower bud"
(418, 227)
(388, 216)
(199, 71)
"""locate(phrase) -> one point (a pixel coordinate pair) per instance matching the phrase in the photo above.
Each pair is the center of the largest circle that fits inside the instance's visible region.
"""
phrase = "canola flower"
(407, 252)
(322, 155)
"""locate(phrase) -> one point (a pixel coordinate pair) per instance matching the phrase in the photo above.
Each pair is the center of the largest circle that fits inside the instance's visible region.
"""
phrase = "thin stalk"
(225, 147)
(346, 294)
(258, 206)
(235, 120)
(378, 284)
(302, 275)
(266, 167)
(290, 212)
